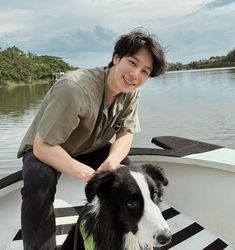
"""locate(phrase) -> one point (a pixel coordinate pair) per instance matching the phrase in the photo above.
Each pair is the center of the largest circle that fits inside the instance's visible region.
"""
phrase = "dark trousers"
(38, 194)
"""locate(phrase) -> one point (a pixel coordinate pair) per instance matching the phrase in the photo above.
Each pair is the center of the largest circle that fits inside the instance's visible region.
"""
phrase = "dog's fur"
(122, 211)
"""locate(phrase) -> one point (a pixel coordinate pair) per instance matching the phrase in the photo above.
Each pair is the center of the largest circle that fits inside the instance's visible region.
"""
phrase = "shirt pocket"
(107, 135)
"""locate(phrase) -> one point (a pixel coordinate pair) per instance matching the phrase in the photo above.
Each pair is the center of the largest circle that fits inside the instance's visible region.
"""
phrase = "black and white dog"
(122, 211)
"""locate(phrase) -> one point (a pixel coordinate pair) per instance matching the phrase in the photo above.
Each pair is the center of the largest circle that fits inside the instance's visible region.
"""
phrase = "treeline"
(19, 67)
(212, 62)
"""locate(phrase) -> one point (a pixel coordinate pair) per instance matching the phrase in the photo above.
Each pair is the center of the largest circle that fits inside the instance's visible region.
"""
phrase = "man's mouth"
(127, 82)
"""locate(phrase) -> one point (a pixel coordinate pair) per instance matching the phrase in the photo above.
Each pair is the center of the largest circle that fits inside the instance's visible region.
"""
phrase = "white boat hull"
(201, 189)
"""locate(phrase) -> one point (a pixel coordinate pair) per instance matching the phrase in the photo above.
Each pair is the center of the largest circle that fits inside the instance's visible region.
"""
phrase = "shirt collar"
(118, 101)
(106, 90)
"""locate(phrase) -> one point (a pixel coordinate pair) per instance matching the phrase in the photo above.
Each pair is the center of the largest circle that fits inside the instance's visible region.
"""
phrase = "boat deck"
(187, 234)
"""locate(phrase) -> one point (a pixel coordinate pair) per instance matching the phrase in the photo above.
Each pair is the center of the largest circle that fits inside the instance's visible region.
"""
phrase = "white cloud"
(15, 20)
(217, 4)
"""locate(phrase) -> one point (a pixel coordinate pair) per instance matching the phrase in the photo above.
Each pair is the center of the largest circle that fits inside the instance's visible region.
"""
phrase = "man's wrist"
(112, 160)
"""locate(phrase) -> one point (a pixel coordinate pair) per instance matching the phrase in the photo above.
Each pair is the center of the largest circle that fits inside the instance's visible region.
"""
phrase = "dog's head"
(129, 197)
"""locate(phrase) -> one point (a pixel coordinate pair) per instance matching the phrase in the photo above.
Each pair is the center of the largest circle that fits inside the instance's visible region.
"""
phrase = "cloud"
(217, 4)
(196, 45)
(80, 31)
(80, 41)
(15, 20)
(215, 7)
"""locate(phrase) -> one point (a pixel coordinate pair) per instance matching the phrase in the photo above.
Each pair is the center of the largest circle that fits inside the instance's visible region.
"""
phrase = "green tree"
(231, 56)
(17, 66)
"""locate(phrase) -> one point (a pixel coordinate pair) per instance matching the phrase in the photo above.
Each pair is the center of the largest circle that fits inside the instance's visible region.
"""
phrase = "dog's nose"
(164, 236)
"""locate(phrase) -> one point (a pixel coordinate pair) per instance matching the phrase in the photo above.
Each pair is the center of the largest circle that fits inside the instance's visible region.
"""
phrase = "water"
(199, 105)
(192, 104)
(18, 106)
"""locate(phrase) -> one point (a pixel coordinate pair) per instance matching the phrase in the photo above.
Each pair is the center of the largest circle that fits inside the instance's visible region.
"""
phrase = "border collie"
(122, 211)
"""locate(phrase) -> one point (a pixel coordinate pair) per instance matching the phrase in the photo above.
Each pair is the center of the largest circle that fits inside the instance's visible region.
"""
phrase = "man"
(73, 127)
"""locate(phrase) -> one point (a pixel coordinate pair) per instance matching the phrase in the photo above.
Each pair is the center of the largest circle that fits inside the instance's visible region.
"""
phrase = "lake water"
(199, 105)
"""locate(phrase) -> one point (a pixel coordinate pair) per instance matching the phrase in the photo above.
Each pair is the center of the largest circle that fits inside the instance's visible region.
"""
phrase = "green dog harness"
(88, 241)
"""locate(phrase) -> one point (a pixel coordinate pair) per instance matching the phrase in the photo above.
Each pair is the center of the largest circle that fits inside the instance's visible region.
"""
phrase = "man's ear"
(100, 185)
(156, 173)
(116, 59)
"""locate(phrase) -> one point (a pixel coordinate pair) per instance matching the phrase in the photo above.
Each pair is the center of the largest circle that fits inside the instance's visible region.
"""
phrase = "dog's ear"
(156, 173)
(100, 185)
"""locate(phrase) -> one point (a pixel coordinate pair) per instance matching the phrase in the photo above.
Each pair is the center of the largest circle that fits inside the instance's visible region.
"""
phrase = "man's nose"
(135, 74)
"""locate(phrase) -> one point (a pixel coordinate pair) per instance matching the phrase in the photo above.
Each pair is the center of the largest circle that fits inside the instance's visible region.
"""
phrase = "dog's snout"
(163, 237)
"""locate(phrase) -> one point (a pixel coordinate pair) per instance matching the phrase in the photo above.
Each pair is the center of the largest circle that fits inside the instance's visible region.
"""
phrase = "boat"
(55, 76)
(198, 203)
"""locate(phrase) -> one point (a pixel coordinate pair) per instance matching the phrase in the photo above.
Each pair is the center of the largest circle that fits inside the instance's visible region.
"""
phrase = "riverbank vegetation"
(212, 62)
(17, 67)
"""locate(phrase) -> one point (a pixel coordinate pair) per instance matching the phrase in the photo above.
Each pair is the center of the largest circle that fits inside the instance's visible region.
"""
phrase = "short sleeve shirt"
(75, 113)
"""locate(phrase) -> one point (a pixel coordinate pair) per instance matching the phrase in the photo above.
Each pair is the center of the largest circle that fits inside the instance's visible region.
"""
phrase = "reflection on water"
(15, 100)
(18, 106)
(192, 104)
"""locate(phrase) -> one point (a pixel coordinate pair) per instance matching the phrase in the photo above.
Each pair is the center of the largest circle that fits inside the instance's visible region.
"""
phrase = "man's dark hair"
(131, 43)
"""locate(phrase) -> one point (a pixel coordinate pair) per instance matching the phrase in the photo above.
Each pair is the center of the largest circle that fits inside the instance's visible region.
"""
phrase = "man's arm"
(58, 158)
(119, 150)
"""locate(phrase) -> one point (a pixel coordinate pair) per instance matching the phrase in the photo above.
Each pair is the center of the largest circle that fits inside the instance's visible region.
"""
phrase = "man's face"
(131, 72)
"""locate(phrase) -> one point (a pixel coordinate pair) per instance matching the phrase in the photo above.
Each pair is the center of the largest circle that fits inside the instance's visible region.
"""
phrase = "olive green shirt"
(75, 113)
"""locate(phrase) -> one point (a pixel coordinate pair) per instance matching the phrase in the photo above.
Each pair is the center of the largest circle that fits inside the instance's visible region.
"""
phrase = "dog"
(122, 211)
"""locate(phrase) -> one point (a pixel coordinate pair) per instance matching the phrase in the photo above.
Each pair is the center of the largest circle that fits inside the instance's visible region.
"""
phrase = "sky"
(83, 32)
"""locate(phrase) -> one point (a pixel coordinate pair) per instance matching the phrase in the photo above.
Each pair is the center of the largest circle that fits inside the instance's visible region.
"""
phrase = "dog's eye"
(131, 204)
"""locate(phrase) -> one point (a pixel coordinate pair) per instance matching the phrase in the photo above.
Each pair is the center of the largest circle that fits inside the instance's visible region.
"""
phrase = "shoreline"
(196, 70)
(14, 84)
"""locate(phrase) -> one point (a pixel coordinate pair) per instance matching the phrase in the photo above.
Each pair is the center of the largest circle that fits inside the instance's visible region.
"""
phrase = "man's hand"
(109, 165)
(85, 172)
(118, 151)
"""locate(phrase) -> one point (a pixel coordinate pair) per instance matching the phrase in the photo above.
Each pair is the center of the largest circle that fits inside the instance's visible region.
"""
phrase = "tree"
(17, 66)
(231, 56)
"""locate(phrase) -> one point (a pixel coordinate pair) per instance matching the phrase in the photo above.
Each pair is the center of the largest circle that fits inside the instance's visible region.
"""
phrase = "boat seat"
(174, 146)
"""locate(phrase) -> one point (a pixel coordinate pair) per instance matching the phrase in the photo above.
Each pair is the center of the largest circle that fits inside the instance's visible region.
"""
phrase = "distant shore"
(16, 84)
(19, 67)
(193, 70)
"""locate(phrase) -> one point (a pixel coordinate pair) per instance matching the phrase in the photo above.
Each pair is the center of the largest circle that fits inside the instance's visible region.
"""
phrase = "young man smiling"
(73, 127)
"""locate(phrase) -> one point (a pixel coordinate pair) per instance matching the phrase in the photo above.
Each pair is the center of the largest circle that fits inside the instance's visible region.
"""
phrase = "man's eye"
(132, 62)
(146, 72)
